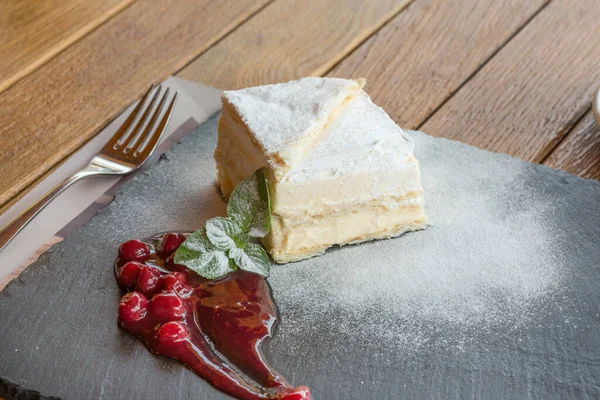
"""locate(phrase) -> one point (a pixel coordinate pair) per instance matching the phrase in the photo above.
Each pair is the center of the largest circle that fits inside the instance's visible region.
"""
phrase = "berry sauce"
(180, 315)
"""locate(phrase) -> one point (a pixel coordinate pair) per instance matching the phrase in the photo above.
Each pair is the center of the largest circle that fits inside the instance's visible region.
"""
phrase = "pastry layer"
(284, 120)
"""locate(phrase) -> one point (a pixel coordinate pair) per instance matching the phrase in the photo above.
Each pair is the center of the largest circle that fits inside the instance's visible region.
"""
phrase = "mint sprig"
(249, 205)
(200, 255)
(225, 244)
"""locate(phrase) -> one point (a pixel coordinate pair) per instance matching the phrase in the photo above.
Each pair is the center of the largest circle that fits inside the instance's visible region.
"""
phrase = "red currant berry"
(129, 273)
(167, 306)
(134, 250)
(174, 281)
(169, 243)
(171, 333)
(133, 307)
(148, 282)
(298, 393)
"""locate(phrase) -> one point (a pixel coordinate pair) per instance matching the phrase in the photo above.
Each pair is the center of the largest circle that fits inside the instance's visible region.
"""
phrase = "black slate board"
(59, 337)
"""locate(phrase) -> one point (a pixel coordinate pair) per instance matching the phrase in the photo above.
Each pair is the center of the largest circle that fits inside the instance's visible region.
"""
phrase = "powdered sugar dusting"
(487, 262)
(361, 139)
(282, 114)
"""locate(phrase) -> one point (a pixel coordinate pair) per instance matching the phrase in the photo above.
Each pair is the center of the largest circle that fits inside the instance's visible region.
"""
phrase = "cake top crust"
(361, 139)
(286, 119)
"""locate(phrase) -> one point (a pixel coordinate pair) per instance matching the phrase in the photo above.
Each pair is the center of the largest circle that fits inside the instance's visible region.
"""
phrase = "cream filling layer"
(236, 150)
(295, 240)
(237, 157)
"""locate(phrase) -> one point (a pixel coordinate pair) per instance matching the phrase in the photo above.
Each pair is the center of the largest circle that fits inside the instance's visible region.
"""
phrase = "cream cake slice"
(339, 169)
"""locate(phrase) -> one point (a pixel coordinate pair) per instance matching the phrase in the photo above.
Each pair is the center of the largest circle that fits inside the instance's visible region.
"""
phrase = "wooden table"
(512, 76)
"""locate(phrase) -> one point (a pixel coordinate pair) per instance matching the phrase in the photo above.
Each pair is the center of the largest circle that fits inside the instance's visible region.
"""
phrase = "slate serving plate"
(498, 298)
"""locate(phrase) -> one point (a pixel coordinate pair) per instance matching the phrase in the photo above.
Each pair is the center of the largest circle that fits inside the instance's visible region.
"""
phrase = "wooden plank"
(579, 153)
(33, 32)
(57, 108)
(422, 57)
(525, 100)
(4, 207)
(291, 39)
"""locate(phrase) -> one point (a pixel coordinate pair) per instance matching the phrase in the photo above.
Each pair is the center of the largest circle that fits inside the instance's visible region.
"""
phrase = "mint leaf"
(249, 205)
(224, 245)
(201, 256)
(197, 242)
(212, 265)
(225, 233)
(253, 258)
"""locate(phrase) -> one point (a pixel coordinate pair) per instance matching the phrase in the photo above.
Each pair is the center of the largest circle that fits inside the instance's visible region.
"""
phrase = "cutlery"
(129, 148)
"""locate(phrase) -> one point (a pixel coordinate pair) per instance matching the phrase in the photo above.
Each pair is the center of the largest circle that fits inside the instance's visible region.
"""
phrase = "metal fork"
(124, 153)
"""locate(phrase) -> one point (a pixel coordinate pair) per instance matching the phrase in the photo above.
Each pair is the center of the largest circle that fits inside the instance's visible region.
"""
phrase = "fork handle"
(12, 229)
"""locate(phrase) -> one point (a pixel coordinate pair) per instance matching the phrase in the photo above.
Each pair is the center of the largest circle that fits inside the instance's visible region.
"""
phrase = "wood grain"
(579, 152)
(526, 99)
(33, 32)
(53, 111)
(6, 206)
(420, 58)
(291, 39)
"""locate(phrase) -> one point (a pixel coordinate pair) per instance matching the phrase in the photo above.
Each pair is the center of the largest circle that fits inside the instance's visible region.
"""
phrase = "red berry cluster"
(154, 296)
(176, 312)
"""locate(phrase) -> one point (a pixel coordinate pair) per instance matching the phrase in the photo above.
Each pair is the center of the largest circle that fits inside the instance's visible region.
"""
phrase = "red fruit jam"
(180, 315)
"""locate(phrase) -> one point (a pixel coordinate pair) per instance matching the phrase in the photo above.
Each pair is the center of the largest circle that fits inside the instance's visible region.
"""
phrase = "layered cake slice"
(339, 169)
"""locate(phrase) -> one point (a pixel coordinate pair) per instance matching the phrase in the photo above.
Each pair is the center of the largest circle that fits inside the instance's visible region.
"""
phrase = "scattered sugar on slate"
(487, 262)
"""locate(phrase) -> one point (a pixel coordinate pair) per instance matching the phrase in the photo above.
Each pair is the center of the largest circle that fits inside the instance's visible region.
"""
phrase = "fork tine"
(150, 126)
(123, 128)
(133, 137)
(153, 140)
